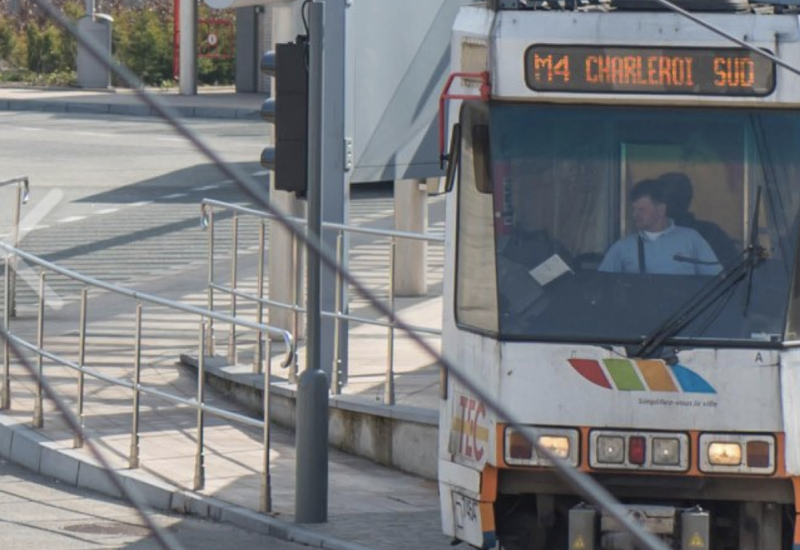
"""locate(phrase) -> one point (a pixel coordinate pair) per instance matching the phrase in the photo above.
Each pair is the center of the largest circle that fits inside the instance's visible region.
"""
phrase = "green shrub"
(143, 43)
(7, 40)
(216, 71)
(42, 49)
(34, 49)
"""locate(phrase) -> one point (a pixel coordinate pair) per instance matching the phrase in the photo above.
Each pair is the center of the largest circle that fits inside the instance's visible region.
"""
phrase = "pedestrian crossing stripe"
(579, 544)
(697, 541)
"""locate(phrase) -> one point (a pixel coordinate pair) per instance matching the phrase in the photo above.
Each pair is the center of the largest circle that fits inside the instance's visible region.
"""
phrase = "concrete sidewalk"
(369, 505)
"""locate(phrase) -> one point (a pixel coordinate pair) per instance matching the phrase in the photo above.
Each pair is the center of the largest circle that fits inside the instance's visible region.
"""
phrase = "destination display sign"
(648, 70)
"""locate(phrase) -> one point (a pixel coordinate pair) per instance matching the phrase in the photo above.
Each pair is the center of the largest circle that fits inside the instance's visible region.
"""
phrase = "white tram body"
(680, 393)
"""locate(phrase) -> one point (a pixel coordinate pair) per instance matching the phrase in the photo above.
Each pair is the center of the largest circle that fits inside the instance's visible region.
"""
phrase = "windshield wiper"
(753, 243)
(725, 281)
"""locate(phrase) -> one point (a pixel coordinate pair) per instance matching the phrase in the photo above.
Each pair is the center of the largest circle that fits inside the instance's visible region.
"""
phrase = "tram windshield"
(554, 240)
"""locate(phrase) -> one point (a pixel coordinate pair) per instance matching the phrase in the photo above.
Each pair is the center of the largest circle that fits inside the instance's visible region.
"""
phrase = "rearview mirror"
(453, 158)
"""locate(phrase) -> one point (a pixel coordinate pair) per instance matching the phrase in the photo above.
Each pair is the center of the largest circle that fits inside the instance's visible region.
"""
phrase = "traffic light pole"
(311, 503)
(335, 183)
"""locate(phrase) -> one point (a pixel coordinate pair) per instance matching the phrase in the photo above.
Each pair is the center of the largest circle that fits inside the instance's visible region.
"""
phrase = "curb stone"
(124, 109)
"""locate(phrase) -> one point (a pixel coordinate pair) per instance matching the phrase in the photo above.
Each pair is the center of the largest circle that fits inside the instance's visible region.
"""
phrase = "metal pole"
(388, 390)
(258, 358)
(38, 407)
(133, 461)
(234, 265)
(336, 370)
(6, 395)
(176, 36)
(311, 504)
(266, 479)
(210, 336)
(199, 463)
(335, 190)
(188, 47)
(78, 440)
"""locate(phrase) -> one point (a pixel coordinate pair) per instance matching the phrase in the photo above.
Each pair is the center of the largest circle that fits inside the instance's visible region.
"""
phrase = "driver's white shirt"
(675, 251)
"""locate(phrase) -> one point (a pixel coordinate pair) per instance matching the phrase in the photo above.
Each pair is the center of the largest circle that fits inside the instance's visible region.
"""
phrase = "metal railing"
(339, 315)
(135, 386)
(23, 194)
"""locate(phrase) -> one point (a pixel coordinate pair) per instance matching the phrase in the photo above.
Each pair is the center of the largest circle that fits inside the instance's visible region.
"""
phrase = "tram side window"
(554, 169)
(554, 172)
(476, 282)
(777, 143)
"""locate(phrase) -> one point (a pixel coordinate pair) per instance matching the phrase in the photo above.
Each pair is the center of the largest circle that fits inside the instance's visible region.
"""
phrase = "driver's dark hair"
(649, 188)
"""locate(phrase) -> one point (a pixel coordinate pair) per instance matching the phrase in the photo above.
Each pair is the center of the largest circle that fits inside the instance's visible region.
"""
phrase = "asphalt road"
(117, 198)
(96, 152)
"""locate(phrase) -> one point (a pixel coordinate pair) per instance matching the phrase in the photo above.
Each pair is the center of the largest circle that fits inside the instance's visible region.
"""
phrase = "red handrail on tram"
(484, 94)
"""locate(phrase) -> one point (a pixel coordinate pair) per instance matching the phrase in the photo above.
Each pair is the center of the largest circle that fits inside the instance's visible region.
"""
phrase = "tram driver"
(659, 246)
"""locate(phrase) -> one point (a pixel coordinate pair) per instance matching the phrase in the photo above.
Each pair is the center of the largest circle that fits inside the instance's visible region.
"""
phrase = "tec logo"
(470, 432)
(641, 375)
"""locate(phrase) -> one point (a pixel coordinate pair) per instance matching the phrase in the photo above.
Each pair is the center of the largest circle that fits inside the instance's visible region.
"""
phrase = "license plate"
(467, 520)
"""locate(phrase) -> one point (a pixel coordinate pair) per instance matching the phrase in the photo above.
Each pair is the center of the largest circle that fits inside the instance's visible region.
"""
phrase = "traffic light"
(288, 111)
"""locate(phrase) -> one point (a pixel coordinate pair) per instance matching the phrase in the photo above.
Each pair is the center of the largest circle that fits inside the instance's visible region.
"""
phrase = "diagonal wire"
(725, 34)
(582, 484)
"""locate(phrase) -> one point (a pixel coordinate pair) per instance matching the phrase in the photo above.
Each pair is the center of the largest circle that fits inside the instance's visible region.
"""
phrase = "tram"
(676, 388)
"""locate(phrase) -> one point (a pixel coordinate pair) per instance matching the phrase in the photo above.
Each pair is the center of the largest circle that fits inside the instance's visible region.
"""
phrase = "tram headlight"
(666, 451)
(724, 454)
(737, 453)
(616, 449)
(561, 442)
(556, 444)
(610, 449)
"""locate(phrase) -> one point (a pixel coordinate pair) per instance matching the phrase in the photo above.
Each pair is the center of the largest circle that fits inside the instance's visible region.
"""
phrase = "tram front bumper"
(591, 529)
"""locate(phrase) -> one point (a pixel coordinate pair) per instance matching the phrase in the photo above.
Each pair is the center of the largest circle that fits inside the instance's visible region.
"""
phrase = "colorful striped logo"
(641, 375)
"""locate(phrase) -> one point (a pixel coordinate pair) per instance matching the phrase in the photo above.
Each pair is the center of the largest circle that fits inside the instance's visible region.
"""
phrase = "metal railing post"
(210, 326)
(258, 358)
(38, 407)
(78, 440)
(388, 393)
(266, 479)
(15, 241)
(295, 313)
(5, 403)
(133, 461)
(234, 265)
(199, 459)
(336, 370)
